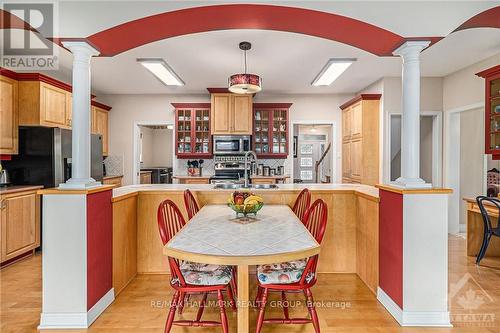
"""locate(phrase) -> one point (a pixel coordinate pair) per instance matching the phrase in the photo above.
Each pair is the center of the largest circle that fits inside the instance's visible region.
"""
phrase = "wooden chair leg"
(284, 302)
(182, 297)
(484, 247)
(312, 310)
(171, 312)
(260, 319)
(223, 318)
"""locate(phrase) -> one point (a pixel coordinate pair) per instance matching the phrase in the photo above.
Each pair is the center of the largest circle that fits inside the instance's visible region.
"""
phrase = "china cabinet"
(192, 130)
(492, 111)
(270, 129)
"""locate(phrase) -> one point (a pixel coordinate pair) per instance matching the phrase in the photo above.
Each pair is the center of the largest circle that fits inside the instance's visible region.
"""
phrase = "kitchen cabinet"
(231, 114)
(192, 179)
(192, 130)
(360, 139)
(100, 125)
(270, 129)
(112, 180)
(19, 223)
(8, 116)
(42, 104)
(492, 111)
(145, 177)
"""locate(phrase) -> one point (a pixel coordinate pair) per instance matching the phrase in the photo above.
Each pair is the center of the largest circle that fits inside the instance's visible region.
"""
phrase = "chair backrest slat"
(495, 202)
(190, 202)
(170, 222)
(302, 204)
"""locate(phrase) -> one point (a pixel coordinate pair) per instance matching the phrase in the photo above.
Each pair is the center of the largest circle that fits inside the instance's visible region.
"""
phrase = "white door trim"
(135, 154)
(437, 151)
(336, 153)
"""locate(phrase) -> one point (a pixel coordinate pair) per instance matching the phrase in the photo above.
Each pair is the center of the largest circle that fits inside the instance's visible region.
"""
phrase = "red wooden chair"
(188, 278)
(295, 276)
(302, 204)
(190, 203)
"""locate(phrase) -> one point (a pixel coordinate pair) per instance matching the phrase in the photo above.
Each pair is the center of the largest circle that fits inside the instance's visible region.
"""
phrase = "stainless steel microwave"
(231, 144)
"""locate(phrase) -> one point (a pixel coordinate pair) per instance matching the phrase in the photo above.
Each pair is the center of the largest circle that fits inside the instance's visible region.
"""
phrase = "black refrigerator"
(45, 157)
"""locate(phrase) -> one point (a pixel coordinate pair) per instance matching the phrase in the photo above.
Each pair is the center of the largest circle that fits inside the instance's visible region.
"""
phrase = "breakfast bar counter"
(350, 244)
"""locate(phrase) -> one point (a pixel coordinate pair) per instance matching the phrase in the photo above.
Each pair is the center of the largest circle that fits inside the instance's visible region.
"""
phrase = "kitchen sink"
(227, 186)
(264, 186)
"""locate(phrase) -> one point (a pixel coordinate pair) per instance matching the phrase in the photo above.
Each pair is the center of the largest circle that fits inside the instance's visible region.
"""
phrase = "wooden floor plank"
(347, 304)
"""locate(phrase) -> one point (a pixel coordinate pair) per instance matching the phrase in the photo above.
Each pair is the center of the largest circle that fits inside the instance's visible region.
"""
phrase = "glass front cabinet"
(270, 129)
(192, 130)
(492, 111)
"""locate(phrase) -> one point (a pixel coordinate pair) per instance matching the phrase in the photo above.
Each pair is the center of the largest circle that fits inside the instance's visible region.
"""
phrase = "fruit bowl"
(244, 203)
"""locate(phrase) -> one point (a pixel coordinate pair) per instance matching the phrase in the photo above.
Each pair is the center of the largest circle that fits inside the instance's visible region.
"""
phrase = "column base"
(413, 318)
(79, 184)
(410, 183)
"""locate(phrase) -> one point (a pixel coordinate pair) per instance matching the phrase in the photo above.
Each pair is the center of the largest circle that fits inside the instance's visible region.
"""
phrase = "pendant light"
(245, 83)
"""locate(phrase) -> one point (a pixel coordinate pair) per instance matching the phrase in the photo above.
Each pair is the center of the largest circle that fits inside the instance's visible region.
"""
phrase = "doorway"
(313, 153)
(430, 148)
(153, 152)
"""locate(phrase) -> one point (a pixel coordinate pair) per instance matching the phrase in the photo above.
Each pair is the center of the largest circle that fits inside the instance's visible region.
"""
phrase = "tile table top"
(216, 231)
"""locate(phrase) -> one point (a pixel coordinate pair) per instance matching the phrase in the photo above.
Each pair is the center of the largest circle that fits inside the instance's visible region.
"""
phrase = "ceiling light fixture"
(245, 83)
(159, 68)
(332, 70)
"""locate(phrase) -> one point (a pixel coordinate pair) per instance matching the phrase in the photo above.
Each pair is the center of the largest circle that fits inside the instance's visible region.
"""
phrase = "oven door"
(228, 145)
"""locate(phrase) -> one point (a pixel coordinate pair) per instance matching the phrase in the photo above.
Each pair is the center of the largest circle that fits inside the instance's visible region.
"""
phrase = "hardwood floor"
(348, 305)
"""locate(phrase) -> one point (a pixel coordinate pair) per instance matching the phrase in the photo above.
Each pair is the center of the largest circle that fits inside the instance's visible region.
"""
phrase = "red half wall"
(99, 246)
(391, 245)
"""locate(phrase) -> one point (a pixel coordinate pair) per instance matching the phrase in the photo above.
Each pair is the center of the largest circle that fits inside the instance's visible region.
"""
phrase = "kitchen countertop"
(188, 177)
(270, 177)
(112, 176)
(365, 190)
(146, 171)
(19, 188)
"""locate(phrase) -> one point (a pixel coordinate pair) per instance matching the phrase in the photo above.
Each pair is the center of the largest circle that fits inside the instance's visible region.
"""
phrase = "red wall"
(391, 245)
(99, 246)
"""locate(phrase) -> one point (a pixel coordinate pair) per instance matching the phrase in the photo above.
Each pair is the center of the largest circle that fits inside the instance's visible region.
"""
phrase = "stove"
(229, 169)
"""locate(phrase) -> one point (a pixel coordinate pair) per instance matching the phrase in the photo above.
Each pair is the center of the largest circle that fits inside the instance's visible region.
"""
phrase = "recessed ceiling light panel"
(163, 72)
(332, 70)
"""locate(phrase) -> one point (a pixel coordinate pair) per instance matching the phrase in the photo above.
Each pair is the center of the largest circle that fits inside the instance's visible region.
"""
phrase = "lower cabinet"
(19, 224)
(113, 180)
(193, 180)
(145, 177)
(263, 181)
(367, 242)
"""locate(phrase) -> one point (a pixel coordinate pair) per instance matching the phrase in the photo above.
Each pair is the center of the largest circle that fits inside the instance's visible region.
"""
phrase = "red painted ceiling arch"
(339, 28)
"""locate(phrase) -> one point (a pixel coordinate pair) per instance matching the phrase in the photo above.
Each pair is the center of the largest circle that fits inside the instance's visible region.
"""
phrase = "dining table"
(215, 235)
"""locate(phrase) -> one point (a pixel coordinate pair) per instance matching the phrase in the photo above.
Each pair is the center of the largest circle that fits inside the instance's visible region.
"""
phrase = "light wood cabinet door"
(20, 225)
(54, 107)
(196, 181)
(346, 124)
(241, 114)
(100, 126)
(263, 181)
(221, 117)
(356, 159)
(8, 116)
(346, 160)
(356, 121)
(145, 178)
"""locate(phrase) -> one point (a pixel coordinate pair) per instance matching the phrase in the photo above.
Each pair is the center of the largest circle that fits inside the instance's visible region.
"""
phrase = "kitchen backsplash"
(114, 165)
(208, 165)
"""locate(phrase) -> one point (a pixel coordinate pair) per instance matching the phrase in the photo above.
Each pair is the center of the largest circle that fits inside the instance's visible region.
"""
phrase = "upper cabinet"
(8, 115)
(492, 111)
(231, 114)
(192, 130)
(100, 124)
(360, 139)
(270, 125)
(43, 104)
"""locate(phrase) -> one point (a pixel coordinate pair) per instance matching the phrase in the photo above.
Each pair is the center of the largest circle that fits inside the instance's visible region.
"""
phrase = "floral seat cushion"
(205, 274)
(282, 273)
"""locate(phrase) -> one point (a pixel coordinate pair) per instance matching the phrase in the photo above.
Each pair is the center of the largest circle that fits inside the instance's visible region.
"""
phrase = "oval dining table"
(216, 236)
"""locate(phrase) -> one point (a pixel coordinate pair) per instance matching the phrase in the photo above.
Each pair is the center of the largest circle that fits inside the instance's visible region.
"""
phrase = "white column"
(80, 168)
(410, 121)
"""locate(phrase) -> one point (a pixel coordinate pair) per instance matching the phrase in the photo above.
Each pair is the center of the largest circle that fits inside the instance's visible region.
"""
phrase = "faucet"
(250, 152)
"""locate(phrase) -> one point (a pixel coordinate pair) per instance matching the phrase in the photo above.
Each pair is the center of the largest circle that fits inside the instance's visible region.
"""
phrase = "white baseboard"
(413, 318)
(100, 306)
(390, 305)
(79, 319)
